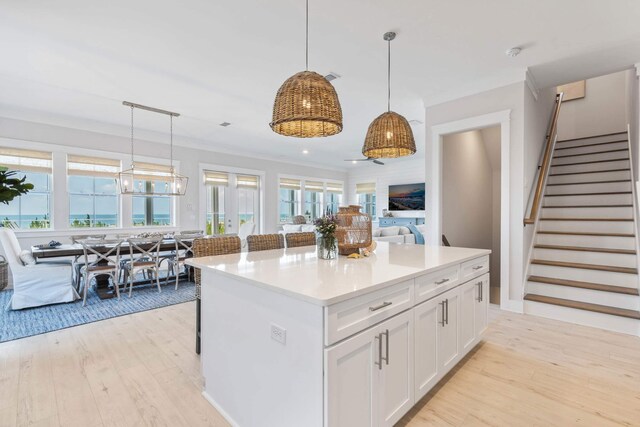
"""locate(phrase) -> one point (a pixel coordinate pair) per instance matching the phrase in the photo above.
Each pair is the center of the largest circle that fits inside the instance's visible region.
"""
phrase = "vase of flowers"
(327, 242)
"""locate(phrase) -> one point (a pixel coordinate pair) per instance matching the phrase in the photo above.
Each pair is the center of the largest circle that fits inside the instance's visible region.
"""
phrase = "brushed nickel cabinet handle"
(479, 285)
(383, 305)
(443, 321)
(386, 334)
(440, 282)
(447, 303)
(478, 267)
(379, 362)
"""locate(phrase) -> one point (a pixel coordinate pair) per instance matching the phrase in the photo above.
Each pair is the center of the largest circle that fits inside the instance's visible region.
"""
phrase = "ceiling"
(72, 62)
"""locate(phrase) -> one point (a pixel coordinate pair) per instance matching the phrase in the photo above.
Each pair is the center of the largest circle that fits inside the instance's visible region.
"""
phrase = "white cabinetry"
(427, 325)
(448, 333)
(474, 311)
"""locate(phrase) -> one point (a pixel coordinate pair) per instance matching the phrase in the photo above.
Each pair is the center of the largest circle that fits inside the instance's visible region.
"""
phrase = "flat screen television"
(406, 197)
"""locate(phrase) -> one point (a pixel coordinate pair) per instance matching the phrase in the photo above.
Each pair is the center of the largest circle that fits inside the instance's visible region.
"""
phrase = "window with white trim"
(93, 195)
(334, 196)
(313, 195)
(31, 210)
(289, 204)
(156, 209)
(216, 184)
(367, 197)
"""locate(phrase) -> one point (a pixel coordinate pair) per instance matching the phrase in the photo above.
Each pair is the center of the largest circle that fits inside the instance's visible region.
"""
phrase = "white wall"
(632, 96)
(467, 191)
(24, 134)
(602, 110)
(492, 142)
(406, 171)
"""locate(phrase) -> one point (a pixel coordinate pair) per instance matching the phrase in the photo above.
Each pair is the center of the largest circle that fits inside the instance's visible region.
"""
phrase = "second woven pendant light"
(306, 104)
(390, 134)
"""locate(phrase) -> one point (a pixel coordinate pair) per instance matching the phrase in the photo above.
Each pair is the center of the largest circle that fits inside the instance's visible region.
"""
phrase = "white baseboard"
(219, 409)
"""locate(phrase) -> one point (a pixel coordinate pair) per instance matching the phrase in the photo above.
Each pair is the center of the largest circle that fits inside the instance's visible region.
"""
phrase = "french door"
(232, 200)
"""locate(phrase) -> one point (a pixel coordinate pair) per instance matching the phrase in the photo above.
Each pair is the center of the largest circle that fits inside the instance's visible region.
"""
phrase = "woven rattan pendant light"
(306, 104)
(390, 134)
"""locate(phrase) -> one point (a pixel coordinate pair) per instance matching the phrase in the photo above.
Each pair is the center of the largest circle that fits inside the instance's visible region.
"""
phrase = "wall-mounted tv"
(406, 197)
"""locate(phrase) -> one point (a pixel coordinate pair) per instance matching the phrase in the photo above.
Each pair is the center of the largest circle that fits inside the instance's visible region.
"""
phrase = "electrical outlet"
(278, 333)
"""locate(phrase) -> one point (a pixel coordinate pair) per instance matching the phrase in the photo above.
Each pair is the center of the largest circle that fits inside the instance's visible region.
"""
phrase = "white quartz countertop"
(299, 273)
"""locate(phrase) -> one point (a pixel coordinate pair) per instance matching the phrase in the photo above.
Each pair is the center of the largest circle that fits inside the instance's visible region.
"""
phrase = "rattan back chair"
(295, 240)
(299, 219)
(210, 246)
(265, 242)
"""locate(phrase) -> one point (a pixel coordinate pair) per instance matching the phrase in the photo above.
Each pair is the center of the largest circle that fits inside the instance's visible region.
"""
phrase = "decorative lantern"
(354, 230)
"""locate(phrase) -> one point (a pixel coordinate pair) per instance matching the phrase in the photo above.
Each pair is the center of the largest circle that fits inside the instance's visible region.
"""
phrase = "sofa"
(297, 228)
(396, 234)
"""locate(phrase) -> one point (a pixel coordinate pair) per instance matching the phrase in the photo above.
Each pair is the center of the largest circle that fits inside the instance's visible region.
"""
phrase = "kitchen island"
(292, 340)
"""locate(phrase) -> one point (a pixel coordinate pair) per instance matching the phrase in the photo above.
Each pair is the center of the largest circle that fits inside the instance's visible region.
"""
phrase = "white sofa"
(396, 234)
(37, 284)
(297, 228)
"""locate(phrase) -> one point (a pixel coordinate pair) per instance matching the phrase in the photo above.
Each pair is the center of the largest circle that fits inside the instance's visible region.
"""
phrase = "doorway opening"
(471, 194)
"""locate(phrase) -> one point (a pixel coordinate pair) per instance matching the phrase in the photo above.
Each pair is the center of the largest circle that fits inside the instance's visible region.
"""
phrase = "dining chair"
(299, 219)
(210, 246)
(144, 253)
(246, 229)
(183, 250)
(101, 258)
(295, 240)
(77, 265)
(264, 242)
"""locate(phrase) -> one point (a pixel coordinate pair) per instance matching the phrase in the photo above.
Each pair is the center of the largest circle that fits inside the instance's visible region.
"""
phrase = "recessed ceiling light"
(332, 76)
(513, 52)
(354, 162)
(305, 151)
(225, 124)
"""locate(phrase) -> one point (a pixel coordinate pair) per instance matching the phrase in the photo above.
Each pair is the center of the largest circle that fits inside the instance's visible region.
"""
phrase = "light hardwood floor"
(141, 370)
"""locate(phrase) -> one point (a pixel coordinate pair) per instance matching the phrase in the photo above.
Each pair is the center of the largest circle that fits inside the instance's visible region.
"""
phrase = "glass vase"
(327, 247)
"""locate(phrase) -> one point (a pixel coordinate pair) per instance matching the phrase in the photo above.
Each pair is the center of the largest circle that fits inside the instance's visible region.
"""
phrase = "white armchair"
(39, 284)
(246, 229)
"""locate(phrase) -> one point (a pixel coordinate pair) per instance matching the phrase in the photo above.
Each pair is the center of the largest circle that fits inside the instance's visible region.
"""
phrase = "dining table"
(103, 288)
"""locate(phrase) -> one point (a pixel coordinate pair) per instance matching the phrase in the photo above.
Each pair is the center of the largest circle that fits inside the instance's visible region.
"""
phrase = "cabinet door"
(481, 304)
(449, 334)
(396, 377)
(427, 322)
(468, 306)
(351, 381)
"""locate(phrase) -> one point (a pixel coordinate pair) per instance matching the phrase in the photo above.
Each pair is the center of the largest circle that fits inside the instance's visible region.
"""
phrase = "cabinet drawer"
(475, 267)
(433, 283)
(349, 317)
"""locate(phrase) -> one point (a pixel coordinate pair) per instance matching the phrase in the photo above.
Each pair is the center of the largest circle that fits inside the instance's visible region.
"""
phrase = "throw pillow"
(390, 231)
(27, 257)
(292, 228)
(308, 228)
(377, 232)
(404, 230)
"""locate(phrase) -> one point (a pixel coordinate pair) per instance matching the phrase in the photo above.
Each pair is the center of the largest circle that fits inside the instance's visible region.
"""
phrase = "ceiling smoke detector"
(513, 52)
(332, 76)
(225, 124)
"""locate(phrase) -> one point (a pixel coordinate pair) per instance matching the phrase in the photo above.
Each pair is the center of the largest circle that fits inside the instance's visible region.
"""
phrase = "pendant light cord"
(388, 75)
(307, 39)
(132, 136)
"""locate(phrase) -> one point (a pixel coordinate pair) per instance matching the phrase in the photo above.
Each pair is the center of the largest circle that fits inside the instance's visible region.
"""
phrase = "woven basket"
(4, 273)
(354, 230)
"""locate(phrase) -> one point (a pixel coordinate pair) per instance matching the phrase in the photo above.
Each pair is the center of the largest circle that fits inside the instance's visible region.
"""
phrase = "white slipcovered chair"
(38, 284)
(246, 229)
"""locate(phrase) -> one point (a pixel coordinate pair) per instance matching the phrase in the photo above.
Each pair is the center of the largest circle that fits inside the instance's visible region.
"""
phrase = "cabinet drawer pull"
(479, 285)
(386, 358)
(440, 282)
(447, 304)
(379, 362)
(383, 305)
(442, 323)
(478, 267)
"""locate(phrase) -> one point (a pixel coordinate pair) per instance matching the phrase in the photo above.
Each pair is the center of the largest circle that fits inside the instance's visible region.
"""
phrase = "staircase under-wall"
(584, 263)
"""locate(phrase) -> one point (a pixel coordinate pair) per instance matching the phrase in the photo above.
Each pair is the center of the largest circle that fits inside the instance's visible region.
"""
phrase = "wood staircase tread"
(587, 233)
(584, 285)
(590, 145)
(586, 249)
(588, 219)
(593, 136)
(609, 268)
(613, 181)
(588, 172)
(604, 193)
(591, 154)
(597, 308)
(591, 162)
(589, 206)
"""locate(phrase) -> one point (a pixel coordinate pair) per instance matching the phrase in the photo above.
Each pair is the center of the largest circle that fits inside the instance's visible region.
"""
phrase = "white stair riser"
(589, 177)
(595, 199)
(567, 212)
(623, 325)
(617, 155)
(616, 164)
(587, 241)
(598, 258)
(588, 226)
(595, 140)
(584, 275)
(589, 188)
(611, 299)
(590, 148)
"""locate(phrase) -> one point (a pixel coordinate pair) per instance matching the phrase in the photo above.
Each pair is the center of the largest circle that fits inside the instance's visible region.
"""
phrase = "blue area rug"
(38, 320)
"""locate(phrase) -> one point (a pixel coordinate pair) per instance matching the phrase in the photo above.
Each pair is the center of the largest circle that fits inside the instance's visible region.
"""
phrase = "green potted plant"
(11, 187)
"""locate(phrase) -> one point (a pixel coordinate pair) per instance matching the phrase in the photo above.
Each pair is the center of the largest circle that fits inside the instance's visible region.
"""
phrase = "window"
(289, 198)
(367, 198)
(313, 193)
(152, 210)
(216, 184)
(334, 196)
(248, 198)
(93, 196)
(31, 210)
